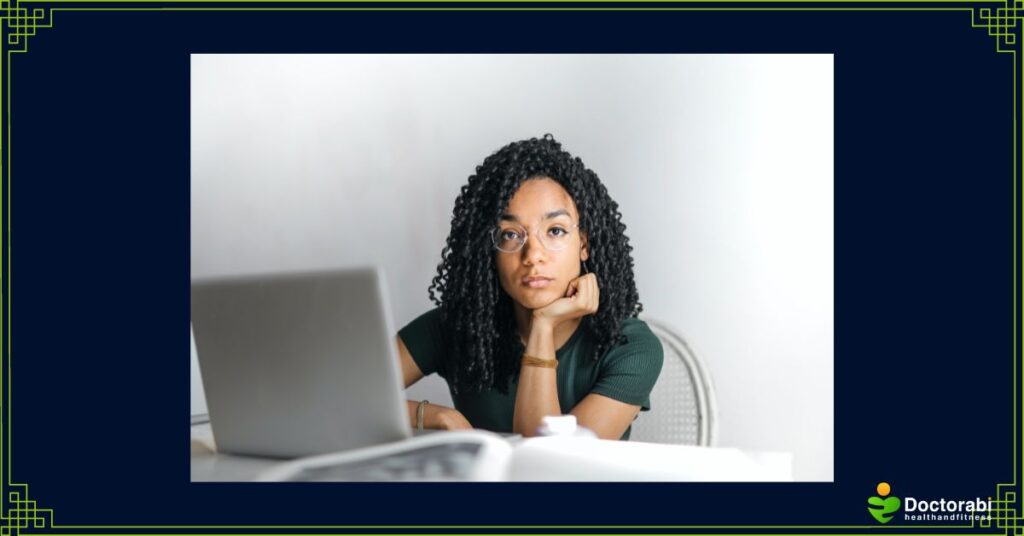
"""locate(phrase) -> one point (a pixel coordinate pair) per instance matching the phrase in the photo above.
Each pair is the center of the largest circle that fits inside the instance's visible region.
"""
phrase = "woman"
(536, 303)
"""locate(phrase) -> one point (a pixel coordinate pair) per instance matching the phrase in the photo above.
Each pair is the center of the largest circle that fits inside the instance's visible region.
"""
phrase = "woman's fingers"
(574, 288)
(581, 299)
(585, 292)
(592, 292)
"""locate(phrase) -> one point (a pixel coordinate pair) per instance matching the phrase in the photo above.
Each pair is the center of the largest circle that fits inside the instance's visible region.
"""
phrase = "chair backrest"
(683, 409)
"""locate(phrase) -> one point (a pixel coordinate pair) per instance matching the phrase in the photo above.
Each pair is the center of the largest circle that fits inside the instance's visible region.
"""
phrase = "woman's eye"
(557, 232)
(509, 235)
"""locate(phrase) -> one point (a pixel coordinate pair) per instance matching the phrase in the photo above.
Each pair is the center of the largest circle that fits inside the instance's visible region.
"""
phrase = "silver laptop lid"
(299, 364)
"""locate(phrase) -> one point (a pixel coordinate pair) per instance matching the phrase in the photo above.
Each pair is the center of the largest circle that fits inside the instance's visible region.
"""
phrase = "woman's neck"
(524, 323)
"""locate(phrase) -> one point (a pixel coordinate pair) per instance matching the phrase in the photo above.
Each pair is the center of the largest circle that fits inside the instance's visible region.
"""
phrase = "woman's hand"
(452, 419)
(581, 299)
(537, 394)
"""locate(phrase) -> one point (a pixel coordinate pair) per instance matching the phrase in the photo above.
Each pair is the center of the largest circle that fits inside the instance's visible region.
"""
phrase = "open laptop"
(299, 364)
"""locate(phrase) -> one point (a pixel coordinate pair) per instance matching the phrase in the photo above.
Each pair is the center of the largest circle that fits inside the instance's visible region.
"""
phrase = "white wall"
(722, 166)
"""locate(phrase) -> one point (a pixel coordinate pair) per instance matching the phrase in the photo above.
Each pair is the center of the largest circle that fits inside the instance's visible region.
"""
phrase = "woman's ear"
(584, 247)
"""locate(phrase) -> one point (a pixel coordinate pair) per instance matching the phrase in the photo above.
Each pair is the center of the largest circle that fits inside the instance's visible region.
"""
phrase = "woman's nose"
(533, 251)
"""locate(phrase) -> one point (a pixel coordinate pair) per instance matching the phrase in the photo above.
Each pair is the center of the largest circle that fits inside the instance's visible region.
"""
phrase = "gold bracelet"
(531, 361)
(419, 414)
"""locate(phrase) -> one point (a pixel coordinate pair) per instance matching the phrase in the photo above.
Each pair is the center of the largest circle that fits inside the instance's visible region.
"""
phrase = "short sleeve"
(424, 339)
(629, 371)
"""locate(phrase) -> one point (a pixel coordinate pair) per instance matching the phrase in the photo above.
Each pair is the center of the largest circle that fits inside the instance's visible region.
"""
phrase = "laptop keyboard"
(451, 461)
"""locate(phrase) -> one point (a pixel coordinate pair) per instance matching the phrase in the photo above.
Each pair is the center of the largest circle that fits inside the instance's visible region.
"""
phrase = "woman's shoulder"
(431, 316)
(637, 331)
(638, 355)
(424, 338)
(637, 340)
(425, 326)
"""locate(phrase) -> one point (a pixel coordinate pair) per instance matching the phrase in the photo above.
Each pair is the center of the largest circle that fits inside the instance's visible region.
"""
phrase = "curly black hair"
(483, 346)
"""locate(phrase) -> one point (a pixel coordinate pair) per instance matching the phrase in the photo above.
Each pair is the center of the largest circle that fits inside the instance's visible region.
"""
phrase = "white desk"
(549, 459)
(208, 466)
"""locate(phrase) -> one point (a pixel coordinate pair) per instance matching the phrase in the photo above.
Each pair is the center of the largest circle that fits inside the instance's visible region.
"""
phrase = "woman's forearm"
(433, 415)
(537, 394)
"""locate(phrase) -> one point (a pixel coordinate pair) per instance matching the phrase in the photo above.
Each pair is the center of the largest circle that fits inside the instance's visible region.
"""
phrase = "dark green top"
(626, 372)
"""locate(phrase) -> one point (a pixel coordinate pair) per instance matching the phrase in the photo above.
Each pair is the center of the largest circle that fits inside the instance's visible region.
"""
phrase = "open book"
(484, 456)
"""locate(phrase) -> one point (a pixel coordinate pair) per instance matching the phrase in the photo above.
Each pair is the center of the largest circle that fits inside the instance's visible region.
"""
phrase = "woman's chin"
(536, 300)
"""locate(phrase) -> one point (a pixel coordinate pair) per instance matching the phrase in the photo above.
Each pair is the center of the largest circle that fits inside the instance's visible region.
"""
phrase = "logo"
(883, 507)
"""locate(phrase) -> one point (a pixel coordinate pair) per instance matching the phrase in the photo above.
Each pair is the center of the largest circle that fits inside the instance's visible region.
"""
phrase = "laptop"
(299, 364)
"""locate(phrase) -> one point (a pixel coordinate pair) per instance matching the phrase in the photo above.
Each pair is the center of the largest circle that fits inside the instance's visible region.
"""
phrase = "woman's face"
(537, 275)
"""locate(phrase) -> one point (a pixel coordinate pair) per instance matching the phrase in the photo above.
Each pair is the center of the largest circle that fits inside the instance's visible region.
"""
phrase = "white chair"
(683, 407)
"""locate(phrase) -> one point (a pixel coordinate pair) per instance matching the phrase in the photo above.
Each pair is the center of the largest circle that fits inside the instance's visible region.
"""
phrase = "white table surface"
(553, 459)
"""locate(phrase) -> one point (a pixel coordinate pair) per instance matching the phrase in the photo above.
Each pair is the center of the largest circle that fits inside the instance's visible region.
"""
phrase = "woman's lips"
(536, 282)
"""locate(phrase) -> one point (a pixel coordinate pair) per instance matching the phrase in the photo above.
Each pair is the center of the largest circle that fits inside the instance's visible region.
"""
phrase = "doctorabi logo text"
(883, 507)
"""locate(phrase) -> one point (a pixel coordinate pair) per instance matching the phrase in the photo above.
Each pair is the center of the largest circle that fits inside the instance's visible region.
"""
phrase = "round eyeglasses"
(510, 237)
